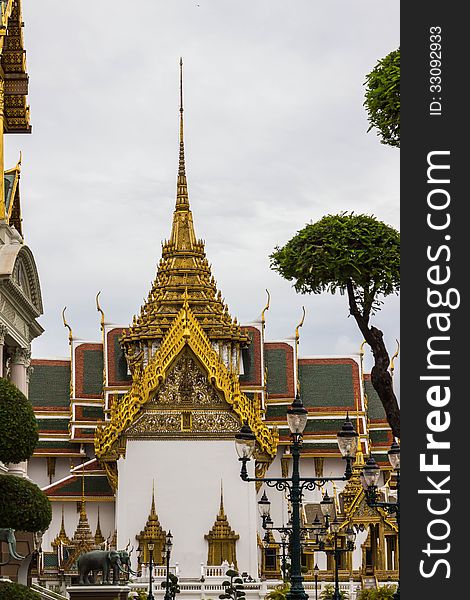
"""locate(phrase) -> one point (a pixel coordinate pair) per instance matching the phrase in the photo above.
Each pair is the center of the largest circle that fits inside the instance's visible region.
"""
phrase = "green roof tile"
(380, 437)
(276, 364)
(326, 385)
(56, 444)
(92, 412)
(96, 485)
(53, 424)
(375, 408)
(274, 411)
(50, 385)
(93, 372)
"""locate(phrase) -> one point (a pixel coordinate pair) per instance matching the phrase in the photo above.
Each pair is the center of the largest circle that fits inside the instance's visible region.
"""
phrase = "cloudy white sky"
(275, 137)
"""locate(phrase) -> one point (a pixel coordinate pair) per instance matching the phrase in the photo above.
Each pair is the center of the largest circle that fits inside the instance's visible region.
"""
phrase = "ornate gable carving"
(185, 333)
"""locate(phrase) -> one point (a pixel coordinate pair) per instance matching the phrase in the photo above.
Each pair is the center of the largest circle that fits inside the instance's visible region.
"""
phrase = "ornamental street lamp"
(150, 547)
(295, 485)
(167, 549)
(315, 571)
(333, 526)
(370, 478)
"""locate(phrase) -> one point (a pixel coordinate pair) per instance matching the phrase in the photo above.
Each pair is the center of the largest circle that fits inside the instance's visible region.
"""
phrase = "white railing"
(47, 594)
(158, 572)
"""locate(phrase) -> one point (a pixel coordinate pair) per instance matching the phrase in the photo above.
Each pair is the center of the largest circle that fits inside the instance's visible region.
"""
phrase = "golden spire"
(83, 535)
(183, 272)
(221, 508)
(99, 538)
(62, 535)
(182, 200)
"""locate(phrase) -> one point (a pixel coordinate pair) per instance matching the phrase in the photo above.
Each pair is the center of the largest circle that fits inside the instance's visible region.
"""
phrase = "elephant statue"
(125, 558)
(8, 535)
(99, 560)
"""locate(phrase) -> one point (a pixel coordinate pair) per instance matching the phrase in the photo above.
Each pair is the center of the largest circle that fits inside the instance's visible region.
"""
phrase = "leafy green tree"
(382, 98)
(357, 255)
(384, 592)
(16, 591)
(279, 592)
(173, 587)
(328, 592)
(23, 505)
(234, 589)
(18, 426)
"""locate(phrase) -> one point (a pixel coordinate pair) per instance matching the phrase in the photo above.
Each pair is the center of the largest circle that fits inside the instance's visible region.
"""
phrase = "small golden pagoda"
(152, 533)
(222, 540)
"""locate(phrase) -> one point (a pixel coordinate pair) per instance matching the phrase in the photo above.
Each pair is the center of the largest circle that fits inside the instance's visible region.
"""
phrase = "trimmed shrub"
(18, 426)
(24, 507)
(16, 591)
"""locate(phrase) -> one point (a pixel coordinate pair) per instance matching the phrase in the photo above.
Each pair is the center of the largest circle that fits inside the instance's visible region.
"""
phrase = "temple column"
(19, 365)
(3, 333)
(20, 361)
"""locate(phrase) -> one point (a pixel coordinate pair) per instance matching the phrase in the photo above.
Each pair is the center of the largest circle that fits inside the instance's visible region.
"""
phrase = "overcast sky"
(275, 136)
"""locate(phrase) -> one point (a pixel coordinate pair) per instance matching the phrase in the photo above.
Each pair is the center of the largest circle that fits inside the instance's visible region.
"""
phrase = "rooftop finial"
(181, 87)
(182, 200)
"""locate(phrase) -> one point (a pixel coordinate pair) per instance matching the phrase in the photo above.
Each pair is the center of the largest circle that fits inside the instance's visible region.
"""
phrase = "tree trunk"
(380, 376)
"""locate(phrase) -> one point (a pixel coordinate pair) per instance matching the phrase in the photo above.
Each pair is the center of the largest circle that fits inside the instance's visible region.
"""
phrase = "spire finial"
(181, 92)
(297, 337)
(82, 509)
(182, 191)
(221, 509)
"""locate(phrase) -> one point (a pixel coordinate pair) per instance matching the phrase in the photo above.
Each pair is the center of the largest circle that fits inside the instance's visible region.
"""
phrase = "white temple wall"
(37, 470)
(187, 476)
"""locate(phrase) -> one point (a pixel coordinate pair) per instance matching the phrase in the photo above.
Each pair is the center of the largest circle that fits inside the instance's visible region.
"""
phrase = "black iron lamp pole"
(332, 526)
(168, 546)
(295, 485)
(284, 542)
(370, 479)
(315, 571)
(150, 547)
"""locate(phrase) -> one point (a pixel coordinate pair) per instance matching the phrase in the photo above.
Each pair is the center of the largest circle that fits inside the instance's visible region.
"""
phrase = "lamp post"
(315, 571)
(332, 526)
(295, 485)
(370, 478)
(168, 546)
(150, 547)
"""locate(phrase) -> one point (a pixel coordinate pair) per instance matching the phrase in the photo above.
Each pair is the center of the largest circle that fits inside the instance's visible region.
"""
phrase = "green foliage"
(338, 249)
(18, 426)
(329, 590)
(385, 592)
(16, 591)
(279, 592)
(173, 586)
(383, 98)
(233, 588)
(24, 506)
